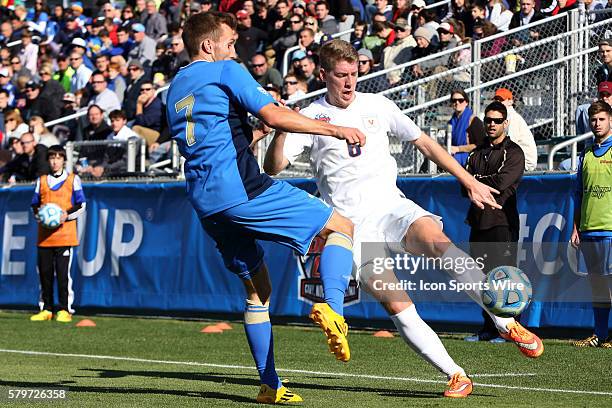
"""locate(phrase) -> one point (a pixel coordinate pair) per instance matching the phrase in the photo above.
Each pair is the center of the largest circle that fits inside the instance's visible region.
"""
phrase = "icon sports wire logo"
(310, 286)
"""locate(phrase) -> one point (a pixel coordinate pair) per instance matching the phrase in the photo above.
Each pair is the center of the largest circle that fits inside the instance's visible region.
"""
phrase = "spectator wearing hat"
(77, 13)
(327, 22)
(518, 130)
(69, 130)
(415, 8)
(425, 46)
(102, 96)
(69, 31)
(82, 74)
(264, 74)
(155, 23)
(250, 39)
(79, 45)
(64, 72)
(38, 104)
(366, 66)
(604, 72)
(28, 53)
(583, 125)
(149, 117)
(144, 48)
(400, 51)
(447, 41)
(137, 77)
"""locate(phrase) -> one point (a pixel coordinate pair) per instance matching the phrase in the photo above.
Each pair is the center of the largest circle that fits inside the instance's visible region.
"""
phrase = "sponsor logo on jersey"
(310, 285)
(371, 123)
(322, 117)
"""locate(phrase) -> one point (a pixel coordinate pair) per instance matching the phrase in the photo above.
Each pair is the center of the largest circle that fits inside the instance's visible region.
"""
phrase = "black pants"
(55, 261)
(497, 246)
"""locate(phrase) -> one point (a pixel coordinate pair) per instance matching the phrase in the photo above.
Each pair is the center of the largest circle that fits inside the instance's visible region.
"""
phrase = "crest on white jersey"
(371, 123)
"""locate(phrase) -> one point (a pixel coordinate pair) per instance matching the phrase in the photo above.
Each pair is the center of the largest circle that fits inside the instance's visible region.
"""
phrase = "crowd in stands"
(111, 60)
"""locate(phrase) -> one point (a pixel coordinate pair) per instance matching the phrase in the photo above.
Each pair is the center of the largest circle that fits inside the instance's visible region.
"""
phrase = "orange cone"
(86, 323)
(223, 326)
(211, 329)
(383, 333)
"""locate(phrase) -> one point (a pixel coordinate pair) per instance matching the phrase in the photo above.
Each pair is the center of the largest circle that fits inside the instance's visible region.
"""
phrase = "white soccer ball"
(508, 291)
(50, 215)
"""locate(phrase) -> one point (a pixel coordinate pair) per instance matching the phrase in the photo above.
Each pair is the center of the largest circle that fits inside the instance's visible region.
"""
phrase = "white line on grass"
(346, 375)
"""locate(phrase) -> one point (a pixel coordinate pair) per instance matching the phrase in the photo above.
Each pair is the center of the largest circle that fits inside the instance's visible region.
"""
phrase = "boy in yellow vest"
(55, 245)
(593, 220)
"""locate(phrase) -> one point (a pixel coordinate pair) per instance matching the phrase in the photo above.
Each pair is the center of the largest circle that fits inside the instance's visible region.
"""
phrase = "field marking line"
(287, 370)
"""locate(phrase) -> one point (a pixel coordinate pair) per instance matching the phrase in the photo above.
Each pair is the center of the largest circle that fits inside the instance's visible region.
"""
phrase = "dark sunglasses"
(401, 29)
(15, 62)
(295, 21)
(363, 62)
(457, 100)
(497, 121)
(290, 82)
(258, 65)
(309, 23)
(145, 89)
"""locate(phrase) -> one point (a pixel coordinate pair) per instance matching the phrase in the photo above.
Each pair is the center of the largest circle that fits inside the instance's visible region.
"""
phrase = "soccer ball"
(507, 291)
(49, 215)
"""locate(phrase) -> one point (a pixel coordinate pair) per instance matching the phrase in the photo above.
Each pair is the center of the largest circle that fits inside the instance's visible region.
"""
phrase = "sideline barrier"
(143, 248)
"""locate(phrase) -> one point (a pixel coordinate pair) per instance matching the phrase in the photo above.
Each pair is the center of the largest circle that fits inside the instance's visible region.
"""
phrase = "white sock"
(473, 275)
(424, 341)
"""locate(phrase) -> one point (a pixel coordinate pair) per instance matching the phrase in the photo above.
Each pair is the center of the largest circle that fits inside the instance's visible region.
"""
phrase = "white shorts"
(386, 227)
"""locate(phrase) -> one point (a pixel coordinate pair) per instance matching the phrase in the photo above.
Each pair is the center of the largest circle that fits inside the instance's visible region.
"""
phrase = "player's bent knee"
(394, 308)
(338, 223)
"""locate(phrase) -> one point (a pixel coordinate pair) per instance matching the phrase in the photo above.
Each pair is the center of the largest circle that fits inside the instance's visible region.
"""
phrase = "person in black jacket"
(137, 77)
(498, 163)
(32, 163)
(38, 104)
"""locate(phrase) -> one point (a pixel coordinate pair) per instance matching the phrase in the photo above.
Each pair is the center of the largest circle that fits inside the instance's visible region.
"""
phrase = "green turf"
(114, 383)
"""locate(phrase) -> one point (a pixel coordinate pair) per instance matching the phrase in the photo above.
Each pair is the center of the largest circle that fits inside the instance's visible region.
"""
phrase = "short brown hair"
(201, 26)
(336, 51)
(117, 114)
(598, 107)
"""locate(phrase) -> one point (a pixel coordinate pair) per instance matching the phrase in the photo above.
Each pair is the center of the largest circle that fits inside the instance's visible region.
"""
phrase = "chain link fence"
(548, 65)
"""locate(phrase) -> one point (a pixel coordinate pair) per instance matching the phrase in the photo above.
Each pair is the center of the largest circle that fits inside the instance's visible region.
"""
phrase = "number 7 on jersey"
(187, 104)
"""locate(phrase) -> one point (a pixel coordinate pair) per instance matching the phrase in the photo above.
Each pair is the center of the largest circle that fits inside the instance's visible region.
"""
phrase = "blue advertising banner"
(142, 247)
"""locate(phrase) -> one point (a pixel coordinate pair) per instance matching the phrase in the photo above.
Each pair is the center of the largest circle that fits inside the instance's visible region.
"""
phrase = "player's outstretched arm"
(479, 193)
(275, 160)
(287, 120)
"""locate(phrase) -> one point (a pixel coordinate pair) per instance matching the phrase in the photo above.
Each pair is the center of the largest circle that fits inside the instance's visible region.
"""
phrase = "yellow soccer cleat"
(459, 386)
(63, 317)
(591, 341)
(268, 395)
(42, 316)
(335, 329)
(607, 344)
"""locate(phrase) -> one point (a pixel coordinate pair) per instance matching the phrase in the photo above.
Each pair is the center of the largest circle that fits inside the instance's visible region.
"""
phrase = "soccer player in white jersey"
(360, 183)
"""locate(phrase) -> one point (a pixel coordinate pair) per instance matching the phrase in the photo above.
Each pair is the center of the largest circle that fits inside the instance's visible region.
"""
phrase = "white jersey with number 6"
(355, 181)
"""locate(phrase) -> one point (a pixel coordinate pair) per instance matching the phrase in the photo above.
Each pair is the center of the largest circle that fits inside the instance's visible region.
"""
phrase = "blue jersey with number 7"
(207, 114)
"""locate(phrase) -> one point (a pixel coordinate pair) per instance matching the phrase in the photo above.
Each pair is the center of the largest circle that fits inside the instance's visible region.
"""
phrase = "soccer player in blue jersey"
(208, 102)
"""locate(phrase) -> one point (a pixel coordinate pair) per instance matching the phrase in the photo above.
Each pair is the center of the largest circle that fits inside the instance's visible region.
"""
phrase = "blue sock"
(336, 266)
(601, 315)
(259, 334)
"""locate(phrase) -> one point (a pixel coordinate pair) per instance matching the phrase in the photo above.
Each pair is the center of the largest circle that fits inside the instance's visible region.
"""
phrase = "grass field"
(169, 363)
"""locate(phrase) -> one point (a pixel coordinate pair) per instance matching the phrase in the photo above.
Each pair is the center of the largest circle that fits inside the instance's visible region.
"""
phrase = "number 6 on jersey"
(187, 104)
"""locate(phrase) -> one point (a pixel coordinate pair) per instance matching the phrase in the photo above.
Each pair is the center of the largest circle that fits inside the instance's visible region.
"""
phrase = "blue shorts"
(282, 214)
(596, 255)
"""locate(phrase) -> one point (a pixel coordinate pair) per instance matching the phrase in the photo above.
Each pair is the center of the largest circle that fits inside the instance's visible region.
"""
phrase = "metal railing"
(288, 51)
(134, 154)
(573, 143)
(83, 111)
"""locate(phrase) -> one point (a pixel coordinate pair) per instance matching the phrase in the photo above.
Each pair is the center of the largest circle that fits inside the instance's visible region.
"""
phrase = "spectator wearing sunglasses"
(293, 88)
(149, 114)
(263, 73)
(400, 51)
(498, 163)
(468, 132)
